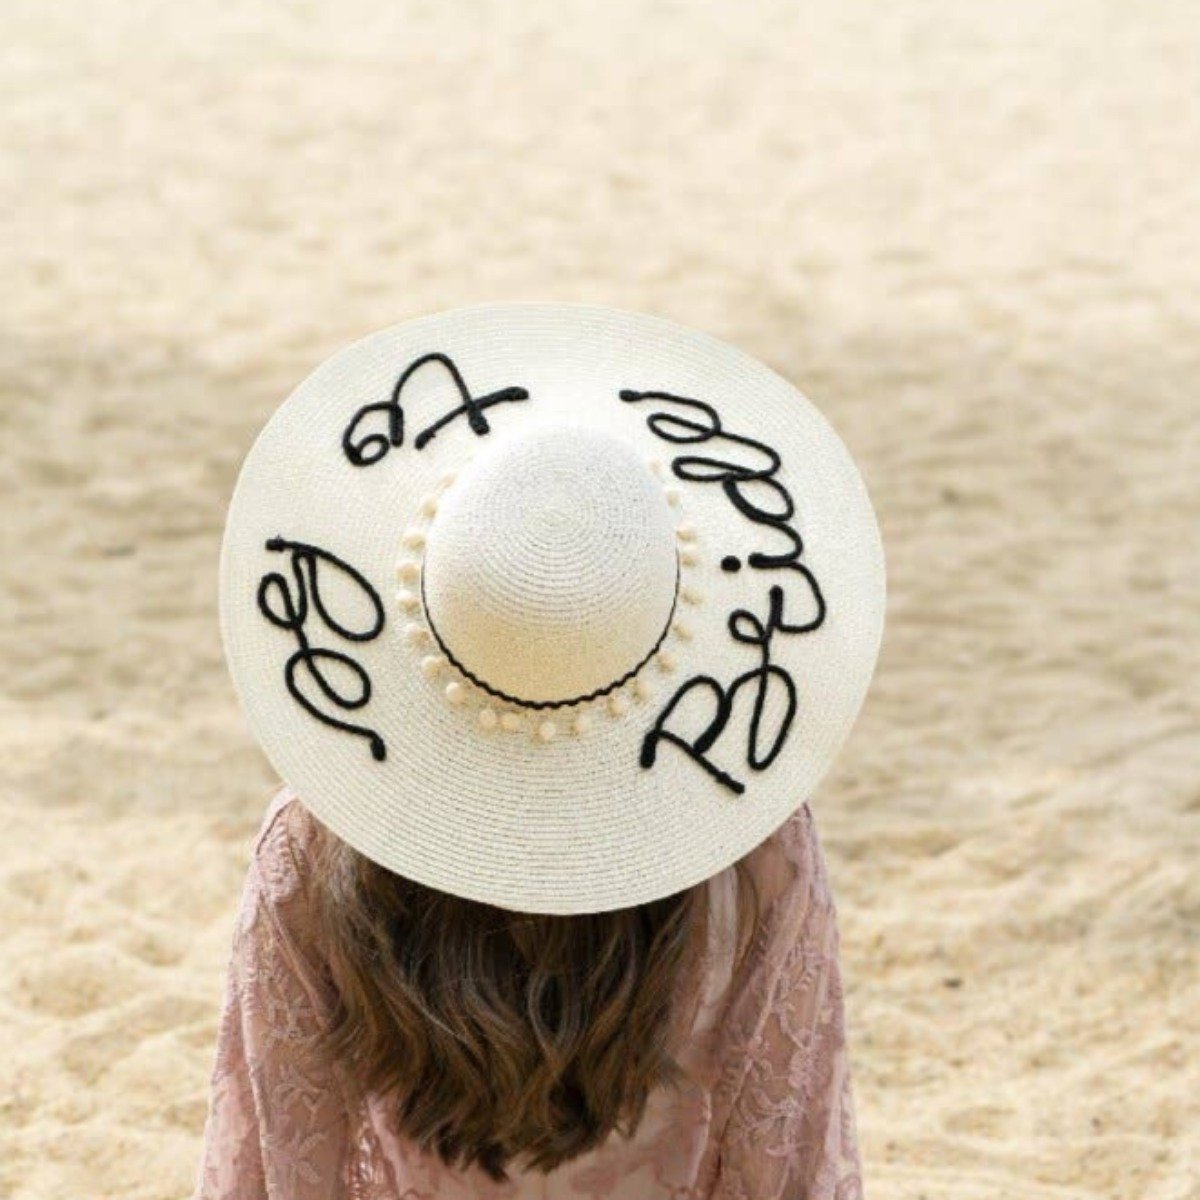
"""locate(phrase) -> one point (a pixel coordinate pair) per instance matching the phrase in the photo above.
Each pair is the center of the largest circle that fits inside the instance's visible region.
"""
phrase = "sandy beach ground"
(967, 230)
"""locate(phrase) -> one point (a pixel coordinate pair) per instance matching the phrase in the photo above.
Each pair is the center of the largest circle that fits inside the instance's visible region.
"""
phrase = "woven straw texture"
(497, 801)
(552, 571)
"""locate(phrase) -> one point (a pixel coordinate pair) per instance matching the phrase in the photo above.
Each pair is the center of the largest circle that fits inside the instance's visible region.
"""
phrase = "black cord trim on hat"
(294, 614)
(549, 704)
(737, 479)
(369, 449)
(747, 628)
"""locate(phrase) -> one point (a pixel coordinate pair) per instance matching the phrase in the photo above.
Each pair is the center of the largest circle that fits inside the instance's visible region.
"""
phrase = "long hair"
(496, 1037)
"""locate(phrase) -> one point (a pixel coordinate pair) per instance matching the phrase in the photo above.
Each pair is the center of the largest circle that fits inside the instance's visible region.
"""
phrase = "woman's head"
(495, 1036)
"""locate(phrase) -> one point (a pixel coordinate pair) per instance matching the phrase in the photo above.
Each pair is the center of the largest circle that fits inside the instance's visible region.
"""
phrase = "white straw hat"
(554, 607)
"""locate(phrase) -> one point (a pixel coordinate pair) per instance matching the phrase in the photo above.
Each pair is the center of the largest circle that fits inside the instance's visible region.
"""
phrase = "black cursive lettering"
(365, 449)
(292, 614)
(747, 472)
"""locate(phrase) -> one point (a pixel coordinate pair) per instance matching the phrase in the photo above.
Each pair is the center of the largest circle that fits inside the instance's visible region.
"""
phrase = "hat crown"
(550, 571)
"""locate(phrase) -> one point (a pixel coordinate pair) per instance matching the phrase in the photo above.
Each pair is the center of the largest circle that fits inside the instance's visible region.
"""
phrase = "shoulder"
(278, 912)
(790, 863)
(284, 846)
(793, 899)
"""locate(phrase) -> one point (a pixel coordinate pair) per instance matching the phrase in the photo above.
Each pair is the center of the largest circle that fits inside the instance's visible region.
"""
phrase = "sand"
(968, 230)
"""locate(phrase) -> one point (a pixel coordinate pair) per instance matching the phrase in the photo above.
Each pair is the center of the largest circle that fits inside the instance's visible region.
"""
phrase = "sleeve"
(277, 1122)
(791, 1131)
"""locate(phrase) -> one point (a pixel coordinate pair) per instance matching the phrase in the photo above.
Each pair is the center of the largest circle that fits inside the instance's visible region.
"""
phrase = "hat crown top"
(550, 572)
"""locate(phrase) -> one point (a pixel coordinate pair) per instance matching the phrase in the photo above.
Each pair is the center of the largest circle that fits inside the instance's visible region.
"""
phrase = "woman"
(527, 926)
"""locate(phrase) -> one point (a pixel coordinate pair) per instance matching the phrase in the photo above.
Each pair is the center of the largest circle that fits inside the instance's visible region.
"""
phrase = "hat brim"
(647, 801)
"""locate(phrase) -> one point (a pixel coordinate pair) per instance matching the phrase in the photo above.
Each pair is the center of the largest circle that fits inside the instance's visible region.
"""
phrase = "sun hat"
(554, 607)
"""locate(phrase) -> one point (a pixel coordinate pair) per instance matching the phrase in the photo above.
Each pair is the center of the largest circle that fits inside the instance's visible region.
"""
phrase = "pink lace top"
(767, 1112)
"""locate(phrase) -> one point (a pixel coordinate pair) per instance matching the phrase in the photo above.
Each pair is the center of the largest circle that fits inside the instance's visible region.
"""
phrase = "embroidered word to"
(293, 605)
(747, 471)
(364, 443)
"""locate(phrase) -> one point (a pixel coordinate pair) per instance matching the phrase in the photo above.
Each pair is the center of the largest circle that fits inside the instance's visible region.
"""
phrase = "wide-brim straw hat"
(553, 607)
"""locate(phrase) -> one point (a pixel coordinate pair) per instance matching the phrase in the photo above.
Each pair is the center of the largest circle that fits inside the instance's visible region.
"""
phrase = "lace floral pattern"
(277, 1125)
(791, 1129)
(767, 1112)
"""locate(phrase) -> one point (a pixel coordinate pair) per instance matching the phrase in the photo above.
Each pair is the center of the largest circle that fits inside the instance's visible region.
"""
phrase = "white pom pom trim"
(459, 691)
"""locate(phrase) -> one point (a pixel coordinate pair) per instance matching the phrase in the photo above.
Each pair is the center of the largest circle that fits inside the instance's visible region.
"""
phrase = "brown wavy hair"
(499, 1037)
